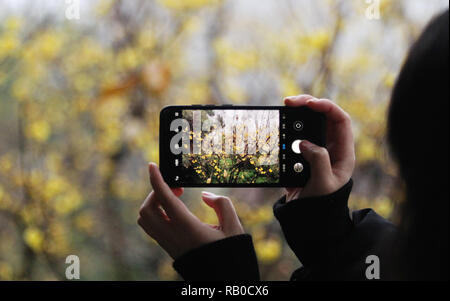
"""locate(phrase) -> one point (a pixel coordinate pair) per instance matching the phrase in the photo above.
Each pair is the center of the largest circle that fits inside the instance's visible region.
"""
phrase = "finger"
(318, 159)
(178, 191)
(149, 201)
(298, 100)
(292, 193)
(291, 190)
(225, 211)
(333, 112)
(152, 219)
(174, 207)
(151, 205)
(145, 226)
(217, 227)
(152, 201)
(160, 234)
(339, 132)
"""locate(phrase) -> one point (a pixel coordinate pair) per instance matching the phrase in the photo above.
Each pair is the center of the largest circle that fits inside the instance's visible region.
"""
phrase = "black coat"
(330, 243)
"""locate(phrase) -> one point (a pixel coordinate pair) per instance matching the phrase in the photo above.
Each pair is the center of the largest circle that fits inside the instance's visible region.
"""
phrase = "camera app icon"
(298, 125)
(295, 146)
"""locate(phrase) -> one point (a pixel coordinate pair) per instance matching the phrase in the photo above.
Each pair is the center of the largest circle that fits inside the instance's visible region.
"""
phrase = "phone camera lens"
(298, 125)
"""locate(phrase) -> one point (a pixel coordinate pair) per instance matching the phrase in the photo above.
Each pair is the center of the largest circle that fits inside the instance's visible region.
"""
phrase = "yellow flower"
(268, 250)
(21, 88)
(320, 39)
(13, 24)
(34, 238)
(50, 44)
(39, 130)
(366, 150)
(127, 59)
(8, 44)
(67, 202)
(384, 207)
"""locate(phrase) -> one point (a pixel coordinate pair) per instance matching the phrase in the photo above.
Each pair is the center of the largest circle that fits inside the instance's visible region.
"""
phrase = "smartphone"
(237, 146)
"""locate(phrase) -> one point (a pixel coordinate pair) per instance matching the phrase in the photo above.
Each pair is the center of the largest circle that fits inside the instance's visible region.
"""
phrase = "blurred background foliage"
(80, 102)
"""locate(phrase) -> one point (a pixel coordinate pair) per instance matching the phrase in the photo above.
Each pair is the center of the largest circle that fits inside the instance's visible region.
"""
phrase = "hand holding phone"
(165, 218)
(331, 167)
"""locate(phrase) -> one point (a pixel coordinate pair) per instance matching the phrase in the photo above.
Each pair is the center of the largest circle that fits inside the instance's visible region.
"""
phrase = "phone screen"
(229, 146)
(239, 146)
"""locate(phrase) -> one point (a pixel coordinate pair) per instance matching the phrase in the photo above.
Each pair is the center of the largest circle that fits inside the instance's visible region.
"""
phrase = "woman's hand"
(165, 218)
(331, 167)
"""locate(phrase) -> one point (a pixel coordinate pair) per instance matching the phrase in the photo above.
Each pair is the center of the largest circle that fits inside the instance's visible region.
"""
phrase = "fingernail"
(210, 194)
(150, 165)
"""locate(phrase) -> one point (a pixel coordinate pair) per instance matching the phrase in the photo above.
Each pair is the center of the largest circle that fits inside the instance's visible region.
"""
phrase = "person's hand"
(165, 218)
(331, 167)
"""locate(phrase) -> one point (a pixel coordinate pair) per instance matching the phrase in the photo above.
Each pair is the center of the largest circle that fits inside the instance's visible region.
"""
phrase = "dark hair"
(418, 134)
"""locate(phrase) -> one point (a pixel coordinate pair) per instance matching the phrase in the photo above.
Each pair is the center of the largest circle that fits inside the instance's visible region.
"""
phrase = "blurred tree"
(80, 102)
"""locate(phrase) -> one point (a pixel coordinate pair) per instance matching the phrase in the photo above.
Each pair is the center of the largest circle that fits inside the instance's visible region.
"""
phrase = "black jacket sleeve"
(328, 242)
(232, 258)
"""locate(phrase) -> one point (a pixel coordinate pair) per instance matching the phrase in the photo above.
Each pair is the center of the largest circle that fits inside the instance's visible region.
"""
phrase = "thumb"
(228, 219)
(318, 158)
